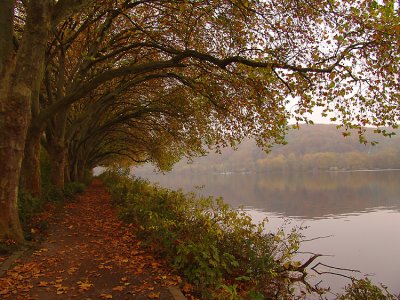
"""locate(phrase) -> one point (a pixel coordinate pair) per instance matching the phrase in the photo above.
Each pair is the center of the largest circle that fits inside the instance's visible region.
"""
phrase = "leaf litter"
(88, 254)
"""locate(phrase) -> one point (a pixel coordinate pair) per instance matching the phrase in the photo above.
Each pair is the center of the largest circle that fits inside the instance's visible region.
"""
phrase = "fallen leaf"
(153, 295)
(72, 270)
(138, 271)
(84, 286)
(61, 290)
(106, 296)
(118, 288)
(4, 292)
(186, 288)
(43, 283)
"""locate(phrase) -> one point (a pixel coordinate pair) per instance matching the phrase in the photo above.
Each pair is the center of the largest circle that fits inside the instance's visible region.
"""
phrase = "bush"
(51, 193)
(7, 247)
(72, 188)
(215, 247)
(365, 289)
(28, 206)
(87, 176)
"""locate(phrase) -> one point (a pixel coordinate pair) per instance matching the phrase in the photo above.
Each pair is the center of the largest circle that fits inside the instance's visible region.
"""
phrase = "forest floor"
(88, 253)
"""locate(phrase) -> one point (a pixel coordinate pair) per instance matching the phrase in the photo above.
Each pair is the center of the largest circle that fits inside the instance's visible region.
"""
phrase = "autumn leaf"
(72, 270)
(84, 286)
(4, 292)
(187, 287)
(61, 289)
(118, 288)
(106, 296)
(153, 295)
(43, 283)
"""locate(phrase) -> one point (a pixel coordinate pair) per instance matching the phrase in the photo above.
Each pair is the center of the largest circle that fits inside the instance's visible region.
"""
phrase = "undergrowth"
(365, 289)
(216, 248)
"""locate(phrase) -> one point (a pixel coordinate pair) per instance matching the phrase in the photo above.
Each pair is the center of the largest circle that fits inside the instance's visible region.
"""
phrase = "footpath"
(88, 254)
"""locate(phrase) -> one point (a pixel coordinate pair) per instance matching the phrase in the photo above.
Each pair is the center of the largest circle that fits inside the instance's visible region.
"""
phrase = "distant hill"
(327, 138)
(312, 147)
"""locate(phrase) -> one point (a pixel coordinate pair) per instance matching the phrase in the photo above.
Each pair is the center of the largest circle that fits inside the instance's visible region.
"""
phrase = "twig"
(317, 238)
(336, 268)
(312, 253)
(334, 273)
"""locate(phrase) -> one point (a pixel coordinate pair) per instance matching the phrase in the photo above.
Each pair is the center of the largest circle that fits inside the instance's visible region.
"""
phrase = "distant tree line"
(354, 160)
(312, 148)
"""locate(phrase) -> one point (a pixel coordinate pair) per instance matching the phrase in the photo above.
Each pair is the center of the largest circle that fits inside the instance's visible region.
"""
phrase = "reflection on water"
(360, 210)
(300, 195)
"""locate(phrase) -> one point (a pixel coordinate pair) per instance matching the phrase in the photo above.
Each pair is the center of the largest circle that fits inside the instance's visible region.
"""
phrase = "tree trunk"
(75, 169)
(6, 31)
(74, 172)
(20, 74)
(67, 174)
(81, 173)
(12, 134)
(30, 173)
(57, 153)
(57, 149)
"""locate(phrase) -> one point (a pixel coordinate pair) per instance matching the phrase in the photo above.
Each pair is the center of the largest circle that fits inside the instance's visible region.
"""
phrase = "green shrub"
(215, 247)
(72, 188)
(365, 289)
(51, 193)
(87, 176)
(7, 247)
(28, 206)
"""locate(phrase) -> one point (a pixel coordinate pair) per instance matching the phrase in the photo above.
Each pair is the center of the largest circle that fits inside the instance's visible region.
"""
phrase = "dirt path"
(88, 254)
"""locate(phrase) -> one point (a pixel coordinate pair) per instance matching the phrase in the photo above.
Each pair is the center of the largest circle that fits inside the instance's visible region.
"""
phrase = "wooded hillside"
(312, 147)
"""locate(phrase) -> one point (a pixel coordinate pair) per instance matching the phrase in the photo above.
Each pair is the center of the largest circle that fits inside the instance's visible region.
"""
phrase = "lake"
(359, 211)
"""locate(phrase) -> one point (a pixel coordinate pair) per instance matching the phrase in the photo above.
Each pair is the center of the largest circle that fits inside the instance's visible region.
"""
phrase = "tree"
(238, 62)
(21, 73)
(20, 79)
(143, 124)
